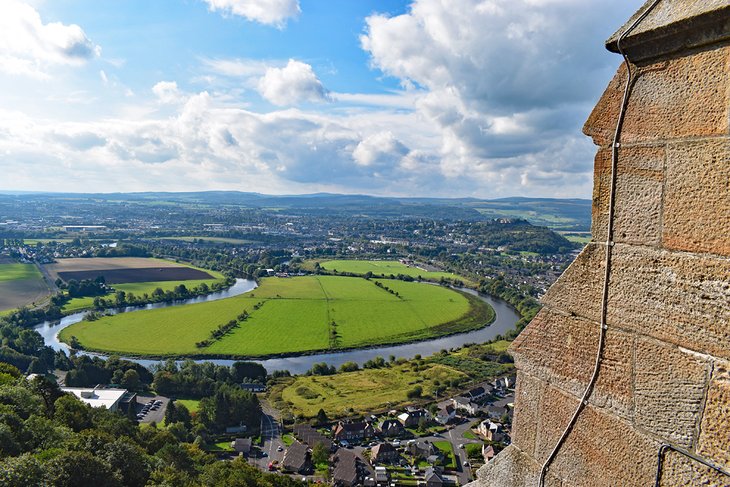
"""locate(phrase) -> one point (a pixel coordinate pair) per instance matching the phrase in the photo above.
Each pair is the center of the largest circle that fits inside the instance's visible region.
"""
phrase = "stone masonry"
(665, 370)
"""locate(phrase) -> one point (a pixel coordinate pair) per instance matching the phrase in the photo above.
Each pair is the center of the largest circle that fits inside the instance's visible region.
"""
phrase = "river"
(504, 321)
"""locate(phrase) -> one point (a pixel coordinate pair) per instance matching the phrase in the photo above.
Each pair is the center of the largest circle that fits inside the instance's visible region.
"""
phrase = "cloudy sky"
(458, 98)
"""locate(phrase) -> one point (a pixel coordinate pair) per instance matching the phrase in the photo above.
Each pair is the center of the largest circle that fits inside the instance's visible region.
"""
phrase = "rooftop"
(97, 398)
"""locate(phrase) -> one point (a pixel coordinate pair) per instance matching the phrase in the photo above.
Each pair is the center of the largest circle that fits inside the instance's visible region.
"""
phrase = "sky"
(447, 98)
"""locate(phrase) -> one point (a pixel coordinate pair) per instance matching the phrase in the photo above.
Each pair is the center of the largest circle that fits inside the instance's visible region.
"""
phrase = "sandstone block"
(669, 386)
(511, 468)
(639, 179)
(697, 198)
(527, 395)
(680, 97)
(714, 441)
(678, 469)
(674, 296)
(681, 298)
(602, 450)
(561, 349)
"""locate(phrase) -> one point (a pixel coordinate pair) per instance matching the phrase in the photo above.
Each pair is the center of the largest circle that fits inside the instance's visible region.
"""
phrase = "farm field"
(384, 268)
(290, 316)
(364, 390)
(129, 274)
(20, 284)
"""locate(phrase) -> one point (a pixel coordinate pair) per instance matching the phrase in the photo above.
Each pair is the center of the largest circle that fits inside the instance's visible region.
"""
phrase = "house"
(421, 449)
(252, 387)
(381, 476)
(383, 453)
(353, 432)
(241, 445)
(392, 428)
(347, 470)
(306, 434)
(491, 431)
(476, 395)
(464, 404)
(496, 412)
(433, 478)
(487, 452)
(445, 414)
(97, 397)
(412, 417)
(297, 459)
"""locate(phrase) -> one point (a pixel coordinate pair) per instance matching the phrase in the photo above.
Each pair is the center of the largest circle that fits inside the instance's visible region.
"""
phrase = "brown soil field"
(21, 292)
(106, 263)
(144, 274)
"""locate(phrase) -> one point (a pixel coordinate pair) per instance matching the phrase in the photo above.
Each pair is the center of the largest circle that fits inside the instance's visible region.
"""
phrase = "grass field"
(234, 241)
(20, 284)
(447, 450)
(364, 390)
(383, 268)
(192, 404)
(296, 315)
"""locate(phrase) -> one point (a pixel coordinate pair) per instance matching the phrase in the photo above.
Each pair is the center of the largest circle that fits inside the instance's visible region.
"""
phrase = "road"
(270, 438)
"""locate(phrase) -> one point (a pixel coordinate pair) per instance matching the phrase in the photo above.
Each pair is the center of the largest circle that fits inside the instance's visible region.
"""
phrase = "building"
(464, 404)
(252, 387)
(445, 414)
(241, 445)
(392, 428)
(477, 394)
(433, 477)
(347, 471)
(658, 413)
(421, 449)
(384, 453)
(306, 434)
(297, 459)
(353, 432)
(413, 416)
(98, 397)
(487, 452)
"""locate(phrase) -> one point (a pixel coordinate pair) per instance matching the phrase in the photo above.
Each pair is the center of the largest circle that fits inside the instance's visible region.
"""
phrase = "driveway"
(157, 416)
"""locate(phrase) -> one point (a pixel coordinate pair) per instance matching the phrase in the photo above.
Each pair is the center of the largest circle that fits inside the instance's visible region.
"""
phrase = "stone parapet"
(665, 369)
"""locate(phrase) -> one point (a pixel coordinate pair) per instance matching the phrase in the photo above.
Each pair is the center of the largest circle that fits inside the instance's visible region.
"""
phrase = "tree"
(320, 455)
(322, 417)
(80, 469)
(71, 412)
(130, 380)
(21, 471)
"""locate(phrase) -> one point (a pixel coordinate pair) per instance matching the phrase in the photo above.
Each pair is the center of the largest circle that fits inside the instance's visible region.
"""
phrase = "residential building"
(445, 414)
(350, 432)
(383, 453)
(412, 417)
(241, 445)
(464, 404)
(392, 428)
(347, 469)
(433, 477)
(297, 458)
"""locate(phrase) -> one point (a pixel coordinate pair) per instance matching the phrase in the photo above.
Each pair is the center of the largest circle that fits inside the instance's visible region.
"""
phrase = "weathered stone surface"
(510, 468)
(714, 442)
(529, 391)
(697, 199)
(578, 290)
(639, 178)
(673, 26)
(674, 296)
(572, 343)
(680, 470)
(669, 387)
(601, 123)
(681, 298)
(681, 97)
(601, 449)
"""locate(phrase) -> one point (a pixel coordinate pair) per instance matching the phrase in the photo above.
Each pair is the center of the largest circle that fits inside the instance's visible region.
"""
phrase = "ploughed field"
(20, 284)
(287, 316)
(138, 275)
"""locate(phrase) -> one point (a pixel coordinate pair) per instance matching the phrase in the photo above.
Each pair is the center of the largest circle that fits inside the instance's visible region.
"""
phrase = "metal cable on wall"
(609, 247)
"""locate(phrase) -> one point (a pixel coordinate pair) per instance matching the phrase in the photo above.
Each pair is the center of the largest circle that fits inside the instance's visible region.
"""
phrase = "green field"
(296, 315)
(234, 241)
(384, 268)
(20, 285)
(365, 390)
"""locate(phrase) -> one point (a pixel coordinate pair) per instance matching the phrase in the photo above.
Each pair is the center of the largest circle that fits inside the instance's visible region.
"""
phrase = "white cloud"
(293, 84)
(270, 12)
(508, 82)
(380, 150)
(167, 92)
(29, 47)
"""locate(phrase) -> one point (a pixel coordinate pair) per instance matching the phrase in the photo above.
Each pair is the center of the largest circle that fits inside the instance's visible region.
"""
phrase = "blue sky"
(455, 98)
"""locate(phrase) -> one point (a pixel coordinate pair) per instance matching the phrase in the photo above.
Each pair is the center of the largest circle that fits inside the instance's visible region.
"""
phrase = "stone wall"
(665, 371)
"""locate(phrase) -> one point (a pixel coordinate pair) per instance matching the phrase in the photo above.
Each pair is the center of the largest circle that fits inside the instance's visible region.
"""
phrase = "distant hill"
(557, 214)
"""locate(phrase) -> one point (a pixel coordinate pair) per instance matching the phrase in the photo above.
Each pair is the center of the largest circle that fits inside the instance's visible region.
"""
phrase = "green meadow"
(291, 316)
(384, 268)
